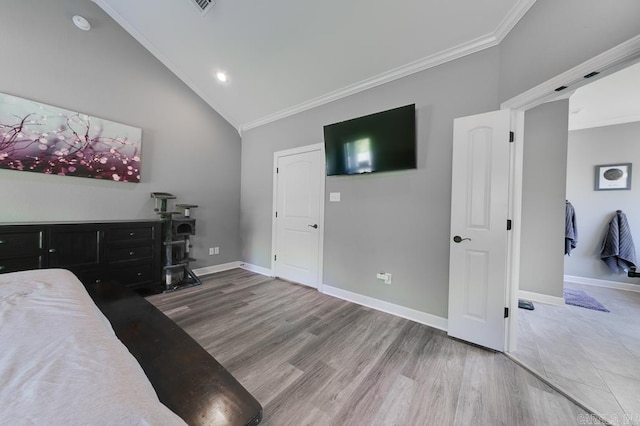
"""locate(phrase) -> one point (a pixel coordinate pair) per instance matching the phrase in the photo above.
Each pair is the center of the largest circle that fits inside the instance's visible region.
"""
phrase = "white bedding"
(60, 361)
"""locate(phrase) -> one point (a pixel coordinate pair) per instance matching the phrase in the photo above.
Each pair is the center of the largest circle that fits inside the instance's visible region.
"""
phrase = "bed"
(62, 363)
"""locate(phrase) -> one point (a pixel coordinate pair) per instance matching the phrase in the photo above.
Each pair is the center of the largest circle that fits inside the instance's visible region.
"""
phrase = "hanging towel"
(617, 249)
(570, 229)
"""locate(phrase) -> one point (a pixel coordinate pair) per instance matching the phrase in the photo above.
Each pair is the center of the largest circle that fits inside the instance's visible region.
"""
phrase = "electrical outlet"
(384, 277)
(211, 251)
(216, 250)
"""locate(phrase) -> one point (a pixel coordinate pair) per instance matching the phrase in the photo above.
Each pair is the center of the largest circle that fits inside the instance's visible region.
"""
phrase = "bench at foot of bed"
(185, 376)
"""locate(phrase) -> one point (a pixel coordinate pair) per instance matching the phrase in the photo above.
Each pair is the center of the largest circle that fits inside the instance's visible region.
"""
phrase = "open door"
(479, 240)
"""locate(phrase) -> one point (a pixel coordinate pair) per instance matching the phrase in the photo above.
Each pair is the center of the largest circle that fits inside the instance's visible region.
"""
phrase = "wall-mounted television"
(379, 142)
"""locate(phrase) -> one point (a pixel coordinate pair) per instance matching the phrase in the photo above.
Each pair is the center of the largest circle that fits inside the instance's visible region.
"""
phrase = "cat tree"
(178, 227)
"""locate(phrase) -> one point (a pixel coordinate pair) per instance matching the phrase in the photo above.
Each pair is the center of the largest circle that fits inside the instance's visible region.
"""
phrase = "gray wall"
(555, 36)
(187, 148)
(399, 222)
(543, 198)
(396, 222)
(594, 209)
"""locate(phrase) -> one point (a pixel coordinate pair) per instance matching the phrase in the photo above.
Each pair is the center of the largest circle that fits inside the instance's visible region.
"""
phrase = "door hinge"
(512, 136)
(275, 257)
(506, 312)
(508, 224)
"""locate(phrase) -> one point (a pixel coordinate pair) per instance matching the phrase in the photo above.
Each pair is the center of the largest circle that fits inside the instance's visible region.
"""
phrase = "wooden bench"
(185, 376)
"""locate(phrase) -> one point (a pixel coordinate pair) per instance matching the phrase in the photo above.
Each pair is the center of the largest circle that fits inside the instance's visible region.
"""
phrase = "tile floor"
(591, 355)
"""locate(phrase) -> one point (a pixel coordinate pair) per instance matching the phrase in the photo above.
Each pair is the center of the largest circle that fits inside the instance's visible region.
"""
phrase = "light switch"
(334, 196)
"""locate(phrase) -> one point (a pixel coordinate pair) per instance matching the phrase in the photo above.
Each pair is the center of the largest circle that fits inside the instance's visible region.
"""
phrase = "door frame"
(274, 205)
(606, 63)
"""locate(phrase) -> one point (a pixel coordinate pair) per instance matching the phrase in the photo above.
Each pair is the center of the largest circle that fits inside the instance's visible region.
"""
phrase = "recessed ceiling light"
(222, 77)
(81, 23)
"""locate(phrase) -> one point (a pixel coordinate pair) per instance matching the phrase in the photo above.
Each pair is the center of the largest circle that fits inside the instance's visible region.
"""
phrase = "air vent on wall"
(203, 5)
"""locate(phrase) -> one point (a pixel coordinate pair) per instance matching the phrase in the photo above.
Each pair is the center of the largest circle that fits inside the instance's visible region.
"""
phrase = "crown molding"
(602, 123)
(512, 18)
(165, 61)
(431, 61)
(490, 40)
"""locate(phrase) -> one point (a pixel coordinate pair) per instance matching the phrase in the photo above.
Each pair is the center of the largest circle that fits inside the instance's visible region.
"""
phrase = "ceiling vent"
(203, 5)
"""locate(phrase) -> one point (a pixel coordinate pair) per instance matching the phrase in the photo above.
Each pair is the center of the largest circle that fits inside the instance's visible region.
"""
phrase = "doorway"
(298, 214)
(592, 355)
(556, 88)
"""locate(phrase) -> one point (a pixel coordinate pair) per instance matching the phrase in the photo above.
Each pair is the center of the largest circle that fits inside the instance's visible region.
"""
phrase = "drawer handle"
(139, 274)
(2, 268)
(98, 281)
(131, 253)
(52, 250)
(1, 241)
(131, 234)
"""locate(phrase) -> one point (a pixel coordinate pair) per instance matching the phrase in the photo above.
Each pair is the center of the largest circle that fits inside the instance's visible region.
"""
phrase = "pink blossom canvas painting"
(42, 138)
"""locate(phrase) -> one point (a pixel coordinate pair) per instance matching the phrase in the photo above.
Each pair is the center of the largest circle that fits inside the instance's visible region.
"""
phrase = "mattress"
(61, 362)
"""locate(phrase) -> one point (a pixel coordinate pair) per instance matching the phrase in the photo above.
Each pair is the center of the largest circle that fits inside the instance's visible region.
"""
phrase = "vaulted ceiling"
(285, 56)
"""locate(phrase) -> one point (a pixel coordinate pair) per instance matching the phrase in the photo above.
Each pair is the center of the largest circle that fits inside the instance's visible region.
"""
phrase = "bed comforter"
(60, 361)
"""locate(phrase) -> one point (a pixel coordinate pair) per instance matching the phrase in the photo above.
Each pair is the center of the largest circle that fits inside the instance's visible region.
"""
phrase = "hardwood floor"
(311, 359)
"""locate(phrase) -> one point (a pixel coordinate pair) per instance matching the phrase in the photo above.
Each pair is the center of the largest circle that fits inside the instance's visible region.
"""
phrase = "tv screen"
(379, 142)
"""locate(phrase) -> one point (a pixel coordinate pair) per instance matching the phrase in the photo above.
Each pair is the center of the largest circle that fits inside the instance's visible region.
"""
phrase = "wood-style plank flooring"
(311, 359)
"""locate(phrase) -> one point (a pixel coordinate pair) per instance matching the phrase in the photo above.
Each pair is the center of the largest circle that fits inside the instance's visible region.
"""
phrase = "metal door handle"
(315, 226)
(459, 239)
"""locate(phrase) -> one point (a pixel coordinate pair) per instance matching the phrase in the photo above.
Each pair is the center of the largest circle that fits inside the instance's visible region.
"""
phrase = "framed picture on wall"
(41, 138)
(613, 177)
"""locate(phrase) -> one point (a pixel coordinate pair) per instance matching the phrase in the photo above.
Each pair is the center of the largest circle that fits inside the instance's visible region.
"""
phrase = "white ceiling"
(614, 99)
(286, 56)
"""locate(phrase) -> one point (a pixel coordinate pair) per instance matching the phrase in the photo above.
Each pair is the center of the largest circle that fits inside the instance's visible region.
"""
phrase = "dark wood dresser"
(128, 252)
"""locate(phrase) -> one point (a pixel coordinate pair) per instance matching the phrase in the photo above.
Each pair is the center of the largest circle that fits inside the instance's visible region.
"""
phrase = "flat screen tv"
(379, 142)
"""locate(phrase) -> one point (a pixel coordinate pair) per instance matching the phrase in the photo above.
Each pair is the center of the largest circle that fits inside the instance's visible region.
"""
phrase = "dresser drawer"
(15, 264)
(91, 276)
(121, 254)
(120, 235)
(133, 275)
(20, 243)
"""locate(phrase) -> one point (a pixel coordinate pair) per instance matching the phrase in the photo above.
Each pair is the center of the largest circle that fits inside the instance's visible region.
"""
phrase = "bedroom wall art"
(41, 138)
(613, 177)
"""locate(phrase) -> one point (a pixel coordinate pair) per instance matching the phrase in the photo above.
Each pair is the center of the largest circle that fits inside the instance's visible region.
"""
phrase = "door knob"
(459, 239)
(315, 226)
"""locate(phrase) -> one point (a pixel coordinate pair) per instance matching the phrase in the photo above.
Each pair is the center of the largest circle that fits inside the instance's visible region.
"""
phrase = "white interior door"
(298, 225)
(479, 213)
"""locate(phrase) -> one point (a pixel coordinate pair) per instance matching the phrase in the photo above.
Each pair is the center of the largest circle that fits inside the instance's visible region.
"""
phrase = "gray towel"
(570, 229)
(618, 251)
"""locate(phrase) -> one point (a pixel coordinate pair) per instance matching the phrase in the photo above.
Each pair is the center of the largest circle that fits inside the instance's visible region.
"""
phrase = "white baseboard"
(216, 268)
(390, 308)
(602, 283)
(541, 298)
(256, 269)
